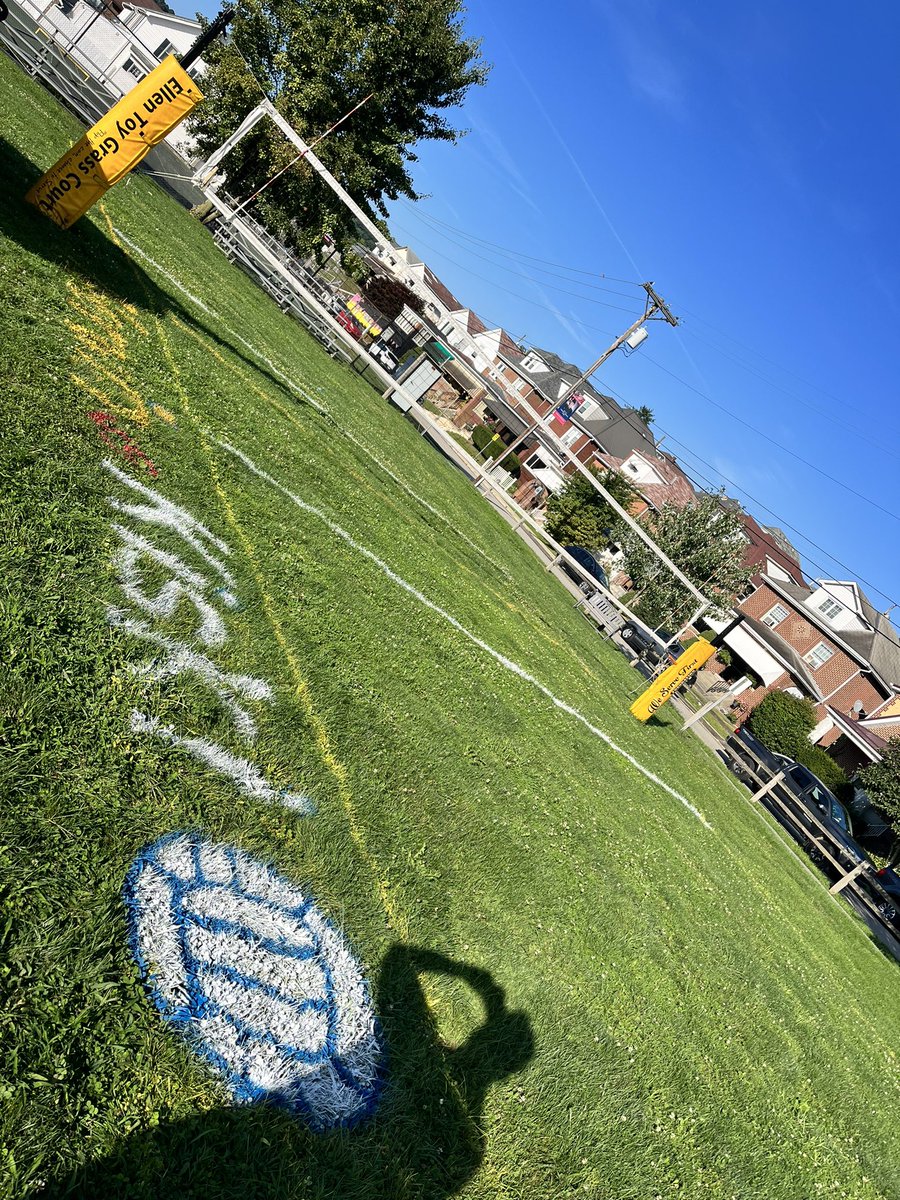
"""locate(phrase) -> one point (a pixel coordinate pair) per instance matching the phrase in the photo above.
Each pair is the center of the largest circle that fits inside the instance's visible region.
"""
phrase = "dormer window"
(533, 363)
(830, 608)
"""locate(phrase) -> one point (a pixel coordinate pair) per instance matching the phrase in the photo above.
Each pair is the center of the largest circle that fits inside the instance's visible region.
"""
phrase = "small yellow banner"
(666, 685)
(118, 142)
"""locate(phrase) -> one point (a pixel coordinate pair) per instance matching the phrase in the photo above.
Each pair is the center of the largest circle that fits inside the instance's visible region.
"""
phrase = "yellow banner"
(118, 142)
(666, 685)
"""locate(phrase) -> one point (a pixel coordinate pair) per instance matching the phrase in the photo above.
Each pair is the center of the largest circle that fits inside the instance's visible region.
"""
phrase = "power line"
(782, 521)
(773, 441)
(522, 275)
(768, 437)
(509, 252)
(794, 394)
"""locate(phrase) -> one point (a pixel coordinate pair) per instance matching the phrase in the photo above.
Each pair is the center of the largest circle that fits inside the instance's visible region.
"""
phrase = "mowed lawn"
(590, 984)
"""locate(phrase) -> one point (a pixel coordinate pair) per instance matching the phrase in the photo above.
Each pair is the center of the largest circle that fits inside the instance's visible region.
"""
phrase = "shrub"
(483, 438)
(783, 723)
(822, 764)
(512, 463)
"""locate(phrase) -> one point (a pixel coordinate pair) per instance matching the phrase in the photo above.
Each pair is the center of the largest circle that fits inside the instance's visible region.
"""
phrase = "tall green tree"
(881, 781)
(316, 60)
(578, 515)
(706, 540)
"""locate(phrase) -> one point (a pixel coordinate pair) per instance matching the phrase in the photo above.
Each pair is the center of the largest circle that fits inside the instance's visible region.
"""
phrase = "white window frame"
(831, 608)
(586, 407)
(133, 67)
(570, 437)
(776, 608)
(813, 658)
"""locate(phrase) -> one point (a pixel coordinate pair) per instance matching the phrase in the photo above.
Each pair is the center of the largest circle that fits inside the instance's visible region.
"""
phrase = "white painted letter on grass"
(243, 774)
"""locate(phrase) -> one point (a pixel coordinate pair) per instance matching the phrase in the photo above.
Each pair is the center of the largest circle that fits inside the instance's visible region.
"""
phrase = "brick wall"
(803, 635)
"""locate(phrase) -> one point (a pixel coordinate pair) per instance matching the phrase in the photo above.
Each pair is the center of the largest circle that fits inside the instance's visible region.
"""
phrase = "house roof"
(878, 647)
(871, 743)
(441, 290)
(676, 490)
(781, 539)
(617, 432)
(764, 544)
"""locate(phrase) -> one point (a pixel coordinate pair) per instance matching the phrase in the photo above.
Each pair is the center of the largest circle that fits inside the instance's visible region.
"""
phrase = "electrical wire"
(508, 251)
(708, 484)
(521, 275)
(773, 441)
(752, 370)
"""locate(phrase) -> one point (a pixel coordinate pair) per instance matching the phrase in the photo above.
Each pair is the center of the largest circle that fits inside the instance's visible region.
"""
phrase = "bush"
(783, 723)
(484, 440)
(822, 764)
(512, 463)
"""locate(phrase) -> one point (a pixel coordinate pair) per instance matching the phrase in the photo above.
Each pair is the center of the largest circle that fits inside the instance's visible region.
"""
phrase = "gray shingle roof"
(618, 432)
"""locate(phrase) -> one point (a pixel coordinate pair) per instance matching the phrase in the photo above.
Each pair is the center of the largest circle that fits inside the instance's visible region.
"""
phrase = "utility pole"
(655, 308)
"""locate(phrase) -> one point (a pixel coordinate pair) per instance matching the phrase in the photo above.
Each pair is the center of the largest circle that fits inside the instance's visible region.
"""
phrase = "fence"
(854, 872)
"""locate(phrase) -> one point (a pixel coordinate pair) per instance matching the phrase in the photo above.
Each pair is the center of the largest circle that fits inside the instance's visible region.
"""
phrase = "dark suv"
(809, 792)
(585, 559)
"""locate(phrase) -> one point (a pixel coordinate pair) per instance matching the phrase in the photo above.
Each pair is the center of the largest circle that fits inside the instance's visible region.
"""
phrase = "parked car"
(808, 793)
(652, 647)
(654, 650)
(352, 327)
(585, 559)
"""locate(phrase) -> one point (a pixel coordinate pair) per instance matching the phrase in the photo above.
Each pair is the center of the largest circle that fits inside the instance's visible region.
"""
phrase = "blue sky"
(743, 157)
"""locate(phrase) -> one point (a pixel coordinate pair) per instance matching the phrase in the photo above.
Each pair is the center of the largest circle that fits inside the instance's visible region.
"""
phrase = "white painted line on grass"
(288, 383)
(441, 612)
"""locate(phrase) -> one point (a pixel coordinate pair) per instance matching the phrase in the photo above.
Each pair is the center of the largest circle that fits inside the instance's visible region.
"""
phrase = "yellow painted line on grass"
(521, 613)
(301, 686)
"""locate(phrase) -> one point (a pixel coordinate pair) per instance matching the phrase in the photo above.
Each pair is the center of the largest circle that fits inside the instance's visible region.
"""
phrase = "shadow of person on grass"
(424, 1141)
(87, 251)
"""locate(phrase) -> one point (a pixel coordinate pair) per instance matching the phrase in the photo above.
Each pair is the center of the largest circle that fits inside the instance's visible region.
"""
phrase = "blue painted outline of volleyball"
(365, 1082)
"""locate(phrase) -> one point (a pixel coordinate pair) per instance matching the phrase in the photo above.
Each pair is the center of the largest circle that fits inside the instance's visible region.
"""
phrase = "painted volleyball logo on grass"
(252, 973)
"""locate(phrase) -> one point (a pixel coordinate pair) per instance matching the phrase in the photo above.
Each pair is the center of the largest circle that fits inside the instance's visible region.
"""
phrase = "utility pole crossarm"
(655, 304)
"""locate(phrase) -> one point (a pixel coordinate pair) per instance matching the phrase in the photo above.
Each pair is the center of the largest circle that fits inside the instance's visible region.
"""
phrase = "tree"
(881, 781)
(578, 515)
(706, 541)
(390, 295)
(644, 414)
(316, 60)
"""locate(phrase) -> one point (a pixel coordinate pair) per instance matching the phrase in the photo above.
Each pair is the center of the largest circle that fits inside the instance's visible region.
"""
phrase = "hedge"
(783, 723)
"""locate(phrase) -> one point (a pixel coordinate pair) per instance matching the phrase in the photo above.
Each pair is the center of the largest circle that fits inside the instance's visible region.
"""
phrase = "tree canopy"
(579, 515)
(316, 60)
(706, 541)
(881, 781)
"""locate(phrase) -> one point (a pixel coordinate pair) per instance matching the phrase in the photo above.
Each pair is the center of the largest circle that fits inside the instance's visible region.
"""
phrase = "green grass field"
(585, 989)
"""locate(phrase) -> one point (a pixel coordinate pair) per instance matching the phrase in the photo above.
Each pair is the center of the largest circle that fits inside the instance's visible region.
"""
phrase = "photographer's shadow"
(424, 1140)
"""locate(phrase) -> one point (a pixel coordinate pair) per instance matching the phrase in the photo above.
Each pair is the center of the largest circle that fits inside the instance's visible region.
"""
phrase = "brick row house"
(825, 641)
(592, 426)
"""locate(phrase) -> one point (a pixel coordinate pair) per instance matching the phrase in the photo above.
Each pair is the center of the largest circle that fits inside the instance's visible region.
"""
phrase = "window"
(588, 408)
(519, 386)
(163, 49)
(571, 436)
(818, 656)
(776, 614)
(831, 608)
(133, 68)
